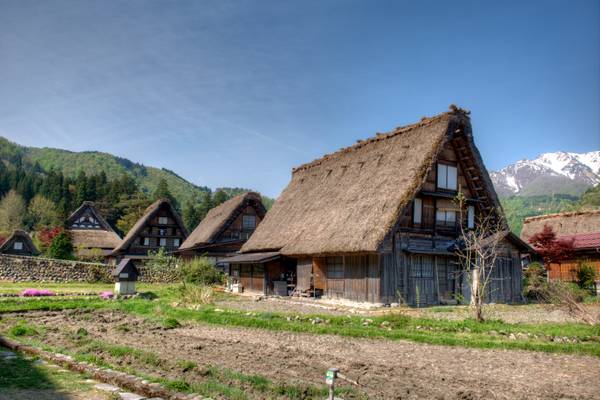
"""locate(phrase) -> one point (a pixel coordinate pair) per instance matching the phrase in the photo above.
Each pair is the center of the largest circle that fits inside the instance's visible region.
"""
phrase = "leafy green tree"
(162, 192)
(591, 198)
(219, 197)
(42, 213)
(12, 211)
(61, 247)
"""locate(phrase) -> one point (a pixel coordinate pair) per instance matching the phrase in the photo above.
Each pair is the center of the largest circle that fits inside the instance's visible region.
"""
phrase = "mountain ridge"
(557, 172)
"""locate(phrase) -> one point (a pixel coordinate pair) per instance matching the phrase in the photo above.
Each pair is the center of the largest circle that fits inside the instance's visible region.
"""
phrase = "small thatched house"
(19, 243)
(376, 221)
(159, 227)
(225, 228)
(92, 236)
(581, 228)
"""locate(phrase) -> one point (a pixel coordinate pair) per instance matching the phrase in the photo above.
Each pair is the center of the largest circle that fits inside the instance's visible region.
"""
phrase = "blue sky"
(237, 93)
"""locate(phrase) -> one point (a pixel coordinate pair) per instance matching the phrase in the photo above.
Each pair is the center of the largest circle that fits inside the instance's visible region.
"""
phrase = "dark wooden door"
(422, 290)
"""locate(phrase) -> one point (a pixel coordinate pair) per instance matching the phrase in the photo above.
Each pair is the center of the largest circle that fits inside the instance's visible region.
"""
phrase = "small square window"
(162, 242)
(175, 242)
(163, 220)
(248, 222)
(146, 241)
(18, 246)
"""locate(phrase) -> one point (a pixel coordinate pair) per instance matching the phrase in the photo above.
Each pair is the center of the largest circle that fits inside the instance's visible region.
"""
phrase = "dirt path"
(387, 369)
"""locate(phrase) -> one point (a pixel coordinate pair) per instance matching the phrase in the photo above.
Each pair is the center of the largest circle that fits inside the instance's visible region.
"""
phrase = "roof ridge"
(561, 214)
(453, 110)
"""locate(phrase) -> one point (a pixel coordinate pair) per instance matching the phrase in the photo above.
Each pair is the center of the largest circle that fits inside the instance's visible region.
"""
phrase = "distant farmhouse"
(19, 243)
(159, 227)
(582, 228)
(91, 233)
(376, 222)
(225, 228)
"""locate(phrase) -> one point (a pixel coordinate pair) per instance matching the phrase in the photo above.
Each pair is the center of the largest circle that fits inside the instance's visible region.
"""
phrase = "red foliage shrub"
(550, 248)
(47, 234)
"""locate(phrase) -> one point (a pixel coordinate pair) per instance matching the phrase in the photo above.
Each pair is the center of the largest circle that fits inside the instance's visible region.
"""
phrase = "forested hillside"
(39, 188)
(91, 162)
(517, 208)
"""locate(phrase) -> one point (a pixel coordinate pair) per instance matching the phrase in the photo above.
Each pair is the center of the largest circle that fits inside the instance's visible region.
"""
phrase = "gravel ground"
(385, 369)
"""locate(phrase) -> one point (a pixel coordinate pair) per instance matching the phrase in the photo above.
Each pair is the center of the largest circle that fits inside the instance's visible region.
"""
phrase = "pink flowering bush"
(106, 295)
(37, 292)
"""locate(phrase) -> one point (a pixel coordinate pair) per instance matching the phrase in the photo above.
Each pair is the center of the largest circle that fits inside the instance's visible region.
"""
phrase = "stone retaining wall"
(31, 269)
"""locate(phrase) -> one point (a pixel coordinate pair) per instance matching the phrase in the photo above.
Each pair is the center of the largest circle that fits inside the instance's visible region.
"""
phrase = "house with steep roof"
(159, 227)
(582, 229)
(377, 221)
(225, 228)
(91, 235)
(19, 243)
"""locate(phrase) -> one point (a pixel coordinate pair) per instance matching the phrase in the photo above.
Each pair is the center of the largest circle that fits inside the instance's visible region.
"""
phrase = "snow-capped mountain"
(559, 172)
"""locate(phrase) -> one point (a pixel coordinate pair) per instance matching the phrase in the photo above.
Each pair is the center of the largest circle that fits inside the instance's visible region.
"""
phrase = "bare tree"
(478, 251)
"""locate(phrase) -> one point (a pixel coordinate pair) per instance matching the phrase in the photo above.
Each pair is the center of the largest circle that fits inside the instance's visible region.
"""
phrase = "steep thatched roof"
(569, 223)
(22, 236)
(103, 238)
(219, 218)
(94, 238)
(349, 200)
(148, 214)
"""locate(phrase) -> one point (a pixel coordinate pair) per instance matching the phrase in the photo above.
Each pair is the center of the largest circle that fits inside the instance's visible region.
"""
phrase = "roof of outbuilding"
(568, 223)
(583, 241)
(349, 200)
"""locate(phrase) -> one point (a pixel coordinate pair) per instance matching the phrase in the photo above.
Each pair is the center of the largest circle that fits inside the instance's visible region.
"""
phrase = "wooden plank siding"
(352, 277)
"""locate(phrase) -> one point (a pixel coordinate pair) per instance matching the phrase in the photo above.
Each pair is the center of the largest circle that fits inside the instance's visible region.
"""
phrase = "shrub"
(534, 280)
(194, 294)
(200, 271)
(61, 247)
(586, 277)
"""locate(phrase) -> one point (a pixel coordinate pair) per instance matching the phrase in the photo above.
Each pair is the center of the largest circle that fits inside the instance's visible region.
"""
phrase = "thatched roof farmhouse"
(159, 227)
(376, 221)
(89, 230)
(225, 228)
(581, 229)
(19, 243)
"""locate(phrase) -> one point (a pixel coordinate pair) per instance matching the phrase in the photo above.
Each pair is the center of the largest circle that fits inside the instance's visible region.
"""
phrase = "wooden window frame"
(248, 227)
(437, 180)
(417, 206)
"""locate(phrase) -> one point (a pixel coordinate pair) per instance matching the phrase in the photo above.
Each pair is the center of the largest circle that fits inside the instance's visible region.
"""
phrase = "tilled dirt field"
(385, 369)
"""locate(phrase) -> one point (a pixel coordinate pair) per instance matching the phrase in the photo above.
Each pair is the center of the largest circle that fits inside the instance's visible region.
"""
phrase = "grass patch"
(491, 334)
(170, 323)
(23, 329)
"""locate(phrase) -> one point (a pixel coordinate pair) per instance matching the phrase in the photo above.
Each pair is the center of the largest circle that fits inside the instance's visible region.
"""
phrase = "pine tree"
(191, 217)
(205, 205)
(61, 247)
(162, 192)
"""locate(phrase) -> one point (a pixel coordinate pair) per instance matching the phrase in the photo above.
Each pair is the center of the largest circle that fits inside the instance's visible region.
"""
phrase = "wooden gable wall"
(235, 230)
(154, 231)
